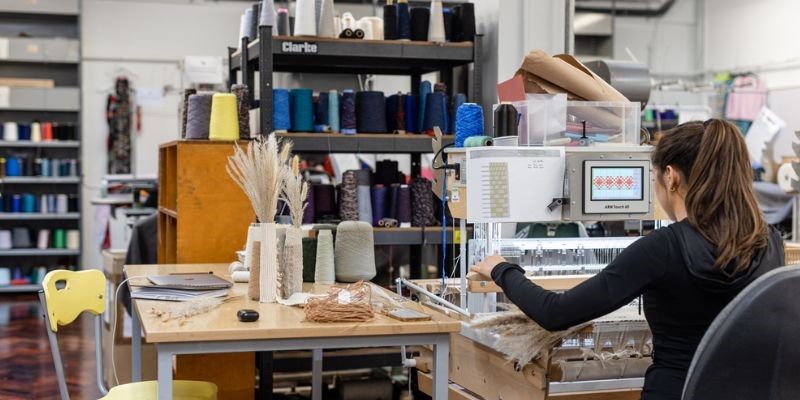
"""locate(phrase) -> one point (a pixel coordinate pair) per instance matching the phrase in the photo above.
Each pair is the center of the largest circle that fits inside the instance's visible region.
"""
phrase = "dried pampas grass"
(295, 191)
(182, 311)
(259, 173)
(520, 339)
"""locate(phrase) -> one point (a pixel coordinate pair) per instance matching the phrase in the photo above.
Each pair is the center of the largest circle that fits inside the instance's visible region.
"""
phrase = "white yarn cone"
(243, 28)
(292, 264)
(365, 25)
(355, 253)
(36, 132)
(348, 21)
(377, 27)
(436, 23)
(327, 24)
(305, 18)
(324, 271)
(267, 17)
(10, 131)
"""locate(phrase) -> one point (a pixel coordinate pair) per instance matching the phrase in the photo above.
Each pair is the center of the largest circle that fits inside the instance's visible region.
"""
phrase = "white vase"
(292, 263)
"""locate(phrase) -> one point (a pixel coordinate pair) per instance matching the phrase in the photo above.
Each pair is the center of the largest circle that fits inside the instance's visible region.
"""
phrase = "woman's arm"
(628, 276)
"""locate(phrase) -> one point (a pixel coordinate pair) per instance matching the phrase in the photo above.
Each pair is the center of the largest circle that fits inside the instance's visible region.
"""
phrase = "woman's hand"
(486, 266)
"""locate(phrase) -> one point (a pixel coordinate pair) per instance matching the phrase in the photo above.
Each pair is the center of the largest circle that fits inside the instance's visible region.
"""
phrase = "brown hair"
(720, 203)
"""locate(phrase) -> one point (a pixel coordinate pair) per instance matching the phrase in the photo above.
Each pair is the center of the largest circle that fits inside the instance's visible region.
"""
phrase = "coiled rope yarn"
(469, 122)
(355, 252)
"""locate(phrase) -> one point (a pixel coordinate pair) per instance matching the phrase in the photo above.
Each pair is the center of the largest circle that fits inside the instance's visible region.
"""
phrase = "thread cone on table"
(436, 22)
(243, 109)
(305, 19)
(355, 253)
(327, 26)
(224, 123)
(324, 269)
(292, 264)
(252, 261)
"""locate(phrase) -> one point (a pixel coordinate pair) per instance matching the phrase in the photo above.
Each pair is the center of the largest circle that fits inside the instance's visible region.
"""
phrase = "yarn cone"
(327, 25)
(324, 271)
(292, 263)
(355, 253)
(305, 19)
(436, 23)
(224, 124)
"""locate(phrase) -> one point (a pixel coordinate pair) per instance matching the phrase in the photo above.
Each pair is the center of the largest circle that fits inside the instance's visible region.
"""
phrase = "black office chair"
(752, 349)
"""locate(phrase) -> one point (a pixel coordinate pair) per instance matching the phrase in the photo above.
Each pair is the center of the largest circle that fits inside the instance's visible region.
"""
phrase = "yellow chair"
(67, 294)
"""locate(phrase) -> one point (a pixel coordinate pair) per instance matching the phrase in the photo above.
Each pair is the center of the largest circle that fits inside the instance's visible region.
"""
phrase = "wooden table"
(279, 328)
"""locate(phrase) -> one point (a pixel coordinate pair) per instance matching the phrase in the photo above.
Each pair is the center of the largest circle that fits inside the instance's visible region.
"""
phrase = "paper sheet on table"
(514, 184)
(764, 128)
(298, 299)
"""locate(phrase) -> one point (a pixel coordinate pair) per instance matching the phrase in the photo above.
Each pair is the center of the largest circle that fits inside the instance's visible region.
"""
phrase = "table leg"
(136, 346)
(316, 374)
(164, 374)
(440, 367)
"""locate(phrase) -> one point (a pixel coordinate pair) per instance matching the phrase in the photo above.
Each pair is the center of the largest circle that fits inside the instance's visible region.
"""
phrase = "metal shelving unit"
(49, 49)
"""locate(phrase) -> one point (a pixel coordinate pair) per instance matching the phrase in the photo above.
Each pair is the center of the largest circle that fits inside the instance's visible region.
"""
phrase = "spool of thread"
(224, 123)
(355, 252)
(447, 15)
(243, 109)
(47, 131)
(51, 203)
(390, 31)
(364, 25)
(266, 15)
(5, 239)
(13, 166)
(283, 22)
(364, 203)
(309, 258)
(241, 276)
(347, 34)
(391, 113)
(418, 23)
(786, 176)
(244, 25)
(10, 131)
(43, 241)
(348, 112)
(434, 111)
(505, 120)
(72, 203)
(73, 167)
(255, 14)
(302, 110)
(424, 90)
(371, 112)
(469, 122)
(421, 203)
(387, 172)
(36, 132)
(333, 111)
(55, 167)
(394, 197)
(24, 132)
(324, 201)
(324, 272)
(478, 141)
(466, 22)
(377, 27)
(21, 238)
(305, 18)
(348, 200)
(37, 167)
(28, 203)
(403, 20)
(16, 203)
(62, 206)
(5, 276)
(321, 113)
(185, 111)
(73, 239)
(59, 239)
(310, 206)
(198, 116)
(359, 34)
(46, 168)
(348, 21)
(327, 27)
(379, 203)
(281, 116)
(404, 205)
(388, 223)
(436, 23)
(44, 207)
(410, 109)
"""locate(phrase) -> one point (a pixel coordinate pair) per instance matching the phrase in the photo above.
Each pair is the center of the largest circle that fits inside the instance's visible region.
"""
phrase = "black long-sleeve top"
(672, 268)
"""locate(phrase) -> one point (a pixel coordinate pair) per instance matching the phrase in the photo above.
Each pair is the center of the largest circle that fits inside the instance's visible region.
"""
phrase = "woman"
(686, 272)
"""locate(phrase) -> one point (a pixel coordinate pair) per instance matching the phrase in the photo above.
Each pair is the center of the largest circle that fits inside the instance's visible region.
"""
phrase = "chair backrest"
(64, 296)
(751, 350)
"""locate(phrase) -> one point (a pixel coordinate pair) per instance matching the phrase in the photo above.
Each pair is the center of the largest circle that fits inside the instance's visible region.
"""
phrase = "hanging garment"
(748, 94)
(119, 116)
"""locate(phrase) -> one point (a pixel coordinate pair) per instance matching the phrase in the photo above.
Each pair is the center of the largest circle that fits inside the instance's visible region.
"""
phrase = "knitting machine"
(493, 187)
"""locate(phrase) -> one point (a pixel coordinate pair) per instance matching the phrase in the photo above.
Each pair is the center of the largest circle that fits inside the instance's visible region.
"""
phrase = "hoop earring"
(672, 189)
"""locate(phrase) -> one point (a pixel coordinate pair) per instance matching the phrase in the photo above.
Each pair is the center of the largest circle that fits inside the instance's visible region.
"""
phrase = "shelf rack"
(52, 51)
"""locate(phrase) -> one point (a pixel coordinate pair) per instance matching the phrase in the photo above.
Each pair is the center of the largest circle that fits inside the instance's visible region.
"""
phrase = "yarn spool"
(251, 25)
(244, 26)
(309, 258)
(359, 34)
(16, 203)
(47, 129)
(10, 131)
(62, 204)
(13, 166)
(24, 132)
(376, 26)
(418, 23)
(184, 114)
(305, 18)
(321, 113)
(387, 172)
(224, 124)
(447, 16)
(266, 15)
(327, 27)
(324, 201)
(347, 34)
(390, 20)
(21, 238)
(302, 110)
(43, 206)
(73, 239)
(281, 116)
(394, 197)
(391, 112)
(435, 113)
(478, 141)
(410, 109)
(355, 252)
(198, 116)
(424, 90)
(243, 106)
(371, 112)
(466, 18)
(400, 114)
(324, 272)
(310, 205)
(348, 200)
(436, 22)
(292, 263)
(365, 25)
(469, 122)
(282, 21)
(505, 120)
(403, 20)
(404, 205)
(348, 21)
(421, 203)
(364, 203)
(28, 203)
(36, 132)
(333, 111)
(348, 112)
(388, 223)
(380, 203)
(5, 239)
